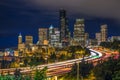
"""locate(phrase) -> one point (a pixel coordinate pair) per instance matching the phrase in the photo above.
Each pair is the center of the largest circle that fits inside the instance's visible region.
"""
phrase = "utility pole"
(77, 70)
(82, 68)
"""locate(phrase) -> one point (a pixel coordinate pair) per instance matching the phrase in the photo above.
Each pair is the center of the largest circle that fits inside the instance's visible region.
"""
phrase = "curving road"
(55, 68)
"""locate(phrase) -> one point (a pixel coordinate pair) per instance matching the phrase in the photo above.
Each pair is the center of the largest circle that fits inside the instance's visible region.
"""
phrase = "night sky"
(26, 16)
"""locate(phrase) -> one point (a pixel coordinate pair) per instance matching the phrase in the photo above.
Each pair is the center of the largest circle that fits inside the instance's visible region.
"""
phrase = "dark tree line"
(84, 70)
(105, 70)
(39, 75)
(108, 70)
(111, 45)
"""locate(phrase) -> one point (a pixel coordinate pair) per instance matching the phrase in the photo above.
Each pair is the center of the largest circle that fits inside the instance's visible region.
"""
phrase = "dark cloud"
(95, 8)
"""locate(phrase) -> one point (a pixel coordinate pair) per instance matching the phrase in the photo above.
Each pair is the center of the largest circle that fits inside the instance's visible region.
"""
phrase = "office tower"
(104, 33)
(64, 30)
(113, 38)
(92, 42)
(54, 36)
(57, 33)
(98, 38)
(28, 40)
(79, 32)
(86, 39)
(50, 31)
(21, 45)
(56, 29)
(57, 39)
(43, 35)
(20, 39)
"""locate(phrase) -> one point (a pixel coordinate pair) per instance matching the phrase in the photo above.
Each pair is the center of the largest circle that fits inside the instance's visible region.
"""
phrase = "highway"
(55, 68)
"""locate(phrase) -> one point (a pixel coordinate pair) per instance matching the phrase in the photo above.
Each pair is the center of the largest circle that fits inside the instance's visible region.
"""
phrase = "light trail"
(57, 66)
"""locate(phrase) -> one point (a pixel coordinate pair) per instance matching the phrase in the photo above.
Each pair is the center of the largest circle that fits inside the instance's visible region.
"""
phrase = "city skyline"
(59, 40)
(16, 19)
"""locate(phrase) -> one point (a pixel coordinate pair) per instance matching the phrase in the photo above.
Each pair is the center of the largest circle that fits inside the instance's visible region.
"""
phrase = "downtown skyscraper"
(104, 32)
(64, 30)
(42, 35)
(102, 35)
(79, 32)
(21, 45)
(28, 40)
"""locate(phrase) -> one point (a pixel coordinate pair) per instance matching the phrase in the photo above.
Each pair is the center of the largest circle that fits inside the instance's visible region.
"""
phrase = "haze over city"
(26, 16)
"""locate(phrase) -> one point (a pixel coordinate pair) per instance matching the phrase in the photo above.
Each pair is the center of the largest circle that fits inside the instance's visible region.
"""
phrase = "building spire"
(19, 38)
(20, 34)
(51, 26)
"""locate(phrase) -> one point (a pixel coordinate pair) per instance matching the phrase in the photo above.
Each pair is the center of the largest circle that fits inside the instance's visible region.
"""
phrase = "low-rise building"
(115, 38)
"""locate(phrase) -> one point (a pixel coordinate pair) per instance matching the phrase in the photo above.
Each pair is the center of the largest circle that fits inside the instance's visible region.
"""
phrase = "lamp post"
(77, 70)
(46, 54)
(82, 69)
(46, 59)
(57, 55)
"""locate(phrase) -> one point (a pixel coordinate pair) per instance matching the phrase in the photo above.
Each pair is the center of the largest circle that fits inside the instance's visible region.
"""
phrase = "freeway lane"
(61, 70)
(56, 68)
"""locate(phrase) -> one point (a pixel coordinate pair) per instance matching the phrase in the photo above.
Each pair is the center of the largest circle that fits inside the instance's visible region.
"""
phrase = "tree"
(108, 76)
(105, 70)
(116, 76)
(17, 74)
(85, 68)
(72, 74)
(40, 74)
(62, 57)
(53, 57)
(27, 77)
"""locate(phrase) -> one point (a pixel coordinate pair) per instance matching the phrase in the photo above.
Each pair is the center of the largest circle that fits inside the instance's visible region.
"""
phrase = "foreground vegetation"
(38, 75)
(104, 70)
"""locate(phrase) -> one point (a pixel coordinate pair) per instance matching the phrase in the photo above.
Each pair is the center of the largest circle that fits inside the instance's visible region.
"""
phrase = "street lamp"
(46, 59)
(46, 53)
(77, 70)
(57, 55)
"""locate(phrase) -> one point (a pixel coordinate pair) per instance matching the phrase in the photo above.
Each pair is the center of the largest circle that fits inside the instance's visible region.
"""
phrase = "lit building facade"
(115, 38)
(51, 32)
(20, 39)
(86, 39)
(54, 36)
(104, 33)
(79, 32)
(16, 53)
(43, 35)
(92, 42)
(98, 38)
(21, 45)
(28, 40)
(55, 39)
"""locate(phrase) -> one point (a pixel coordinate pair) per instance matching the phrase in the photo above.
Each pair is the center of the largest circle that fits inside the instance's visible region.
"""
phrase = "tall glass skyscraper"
(64, 30)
